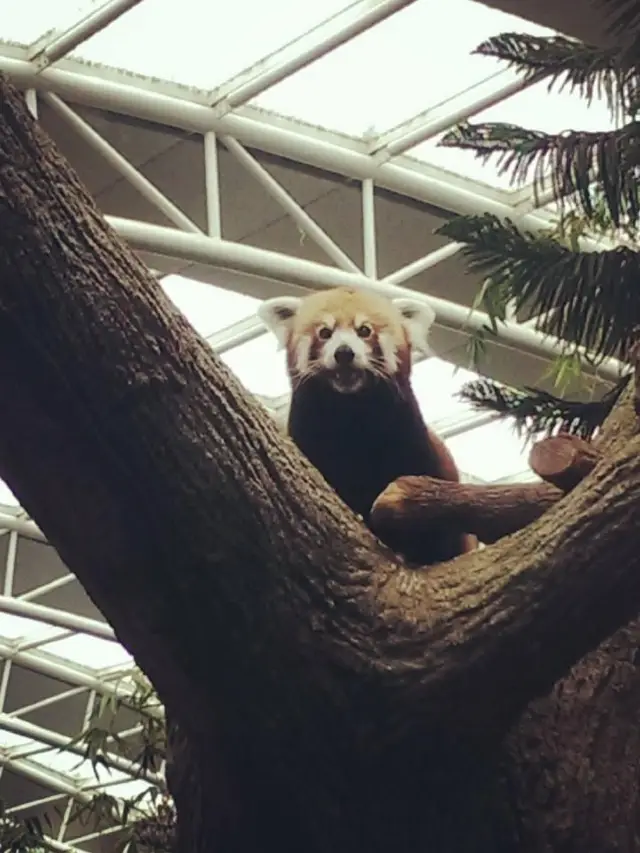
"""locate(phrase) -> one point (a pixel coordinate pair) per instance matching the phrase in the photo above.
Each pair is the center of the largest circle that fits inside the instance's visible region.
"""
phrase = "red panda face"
(348, 338)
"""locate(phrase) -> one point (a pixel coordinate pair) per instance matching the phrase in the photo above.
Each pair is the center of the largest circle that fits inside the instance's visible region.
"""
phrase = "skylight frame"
(385, 160)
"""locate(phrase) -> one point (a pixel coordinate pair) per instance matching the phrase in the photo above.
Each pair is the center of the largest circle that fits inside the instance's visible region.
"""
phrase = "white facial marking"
(345, 337)
(302, 353)
(388, 347)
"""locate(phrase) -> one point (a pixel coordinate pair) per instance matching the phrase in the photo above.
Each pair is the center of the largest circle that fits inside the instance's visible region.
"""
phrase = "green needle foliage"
(539, 414)
(588, 298)
(592, 298)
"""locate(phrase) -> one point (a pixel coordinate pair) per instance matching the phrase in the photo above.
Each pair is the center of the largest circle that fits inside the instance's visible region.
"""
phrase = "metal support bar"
(483, 95)
(57, 618)
(369, 228)
(212, 185)
(283, 139)
(449, 250)
(67, 672)
(202, 249)
(289, 204)
(121, 164)
(32, 804)
(64, 42)
(251, 328)
(39, 643)
(39, 591)
(31, 97)
(10, 563)
(304, 50)
(236, 335)
(46, 703)
(55, 739)
(48, 778)
(22, 526)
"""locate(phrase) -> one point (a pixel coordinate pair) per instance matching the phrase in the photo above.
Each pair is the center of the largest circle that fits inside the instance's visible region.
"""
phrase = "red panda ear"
(417, 318)
(278, 315)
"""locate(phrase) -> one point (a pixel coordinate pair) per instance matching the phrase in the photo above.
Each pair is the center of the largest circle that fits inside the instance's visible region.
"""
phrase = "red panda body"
(353, 413)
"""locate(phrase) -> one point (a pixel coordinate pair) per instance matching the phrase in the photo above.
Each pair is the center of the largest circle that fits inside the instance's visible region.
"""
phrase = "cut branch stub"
(412, 504)
(563, 460)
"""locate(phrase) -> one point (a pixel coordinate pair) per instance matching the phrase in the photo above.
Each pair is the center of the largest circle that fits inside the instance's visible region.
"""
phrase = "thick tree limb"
(285, 640)
(564, 460)
(488, 512)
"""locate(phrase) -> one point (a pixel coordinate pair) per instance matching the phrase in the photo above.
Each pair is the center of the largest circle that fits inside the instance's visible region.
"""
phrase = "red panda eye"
(364, 331)
(325, 333)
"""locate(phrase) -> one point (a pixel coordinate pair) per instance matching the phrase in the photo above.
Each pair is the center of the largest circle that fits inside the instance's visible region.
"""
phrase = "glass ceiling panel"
(436, 383)
(491, 452)
(78, 648)
(7, 498)
(260, 366)
(29, 20)
(207, 307)
(201, 44)
(535, 109)
(412, 61)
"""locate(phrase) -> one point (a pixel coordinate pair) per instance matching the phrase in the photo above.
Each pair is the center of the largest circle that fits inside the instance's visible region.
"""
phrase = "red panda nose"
(344, 355)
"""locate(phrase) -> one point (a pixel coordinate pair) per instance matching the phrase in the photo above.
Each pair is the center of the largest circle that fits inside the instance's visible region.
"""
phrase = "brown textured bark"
(564, 460)
(328, 698)
(634, 359)
(488, 512)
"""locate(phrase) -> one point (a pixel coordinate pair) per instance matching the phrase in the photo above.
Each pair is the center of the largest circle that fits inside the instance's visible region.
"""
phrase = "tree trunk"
(327, 698)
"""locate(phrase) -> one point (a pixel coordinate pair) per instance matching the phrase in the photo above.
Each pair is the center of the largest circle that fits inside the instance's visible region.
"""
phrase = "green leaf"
(624, 28)
(591, 299)
(592, 72)
(536, 414)
(569, 162)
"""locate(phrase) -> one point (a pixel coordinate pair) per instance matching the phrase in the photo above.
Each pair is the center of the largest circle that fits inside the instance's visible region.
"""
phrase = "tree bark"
(328, 698)
(488, 512)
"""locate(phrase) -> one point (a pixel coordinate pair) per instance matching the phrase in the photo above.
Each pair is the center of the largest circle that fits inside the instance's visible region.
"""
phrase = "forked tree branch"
(241, 584)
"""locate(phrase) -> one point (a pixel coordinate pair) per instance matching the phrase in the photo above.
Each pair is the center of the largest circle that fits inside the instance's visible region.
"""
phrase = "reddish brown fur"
(363, 441)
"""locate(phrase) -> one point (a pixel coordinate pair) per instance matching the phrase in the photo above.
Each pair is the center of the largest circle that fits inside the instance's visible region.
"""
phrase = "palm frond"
(590, 71)
(624, 28)
(570, 162)
(536, 413)
(589, 298)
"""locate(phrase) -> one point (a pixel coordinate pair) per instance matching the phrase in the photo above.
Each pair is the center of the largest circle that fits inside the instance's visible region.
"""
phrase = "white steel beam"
(289, 204)
(55, 617)
(406, 273)
(122, 165)
(203, 249)
(429, 123)
(43, 776)
(279, 137)
(47, 702)
(212, 185)
(61, 670)
(31, 97)
(32, 804)
(62, 43)
(39, 591)
(369, 248)
(288, 140)
(22, 526)
(304, 50)
(55, 739)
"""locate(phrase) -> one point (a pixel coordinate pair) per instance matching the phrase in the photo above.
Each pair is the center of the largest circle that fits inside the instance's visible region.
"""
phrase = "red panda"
(353, 412)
